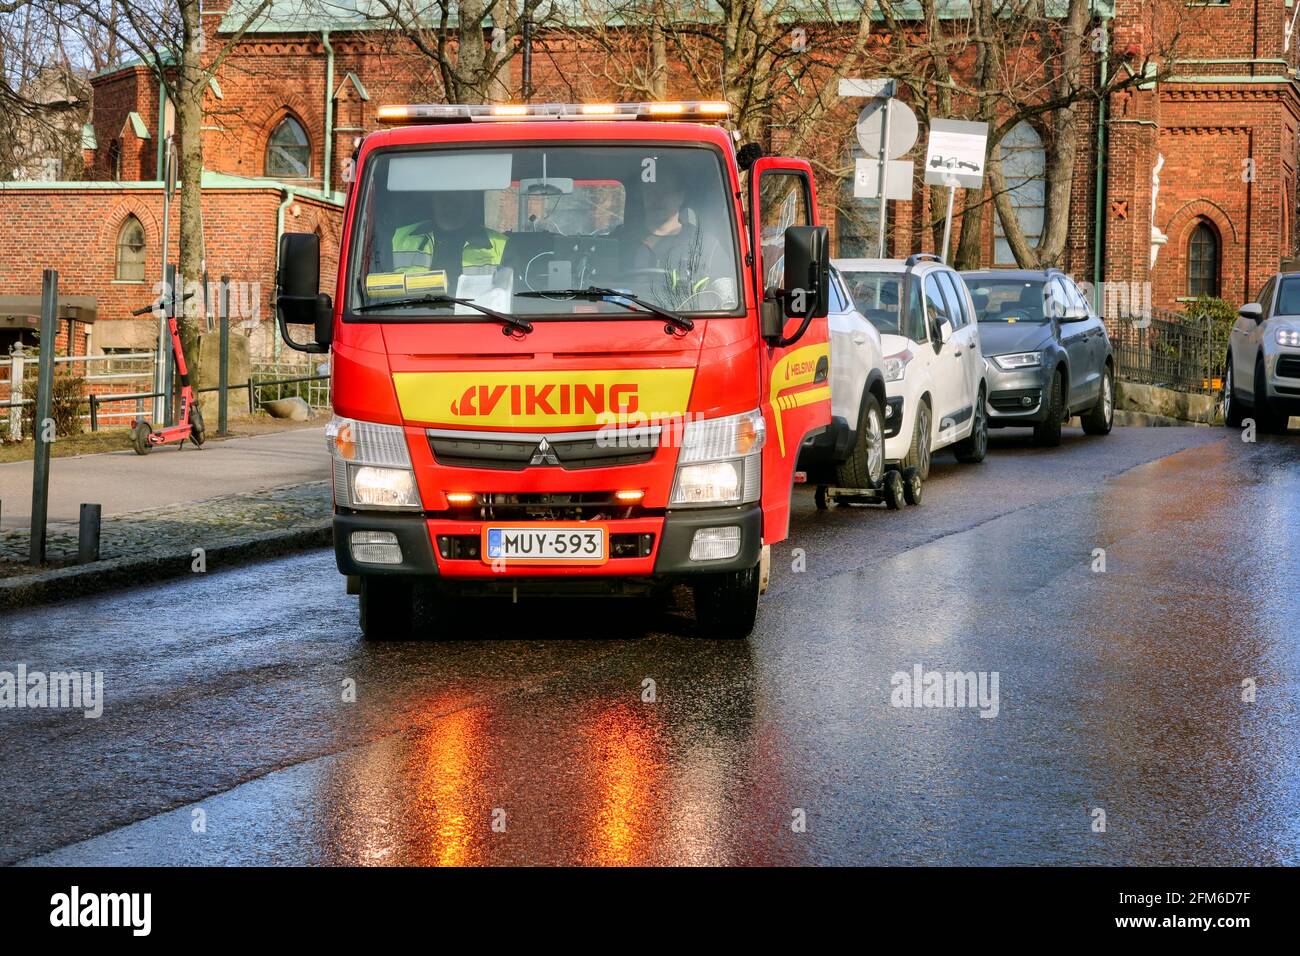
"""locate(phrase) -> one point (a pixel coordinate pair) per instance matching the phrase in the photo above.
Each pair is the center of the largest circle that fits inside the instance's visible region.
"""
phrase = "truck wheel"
(973, 449)
(1098, 419)
(726, 604)
(894, 491)
(866, 462)
(918, 456)
(1047, 433)
(385, 604)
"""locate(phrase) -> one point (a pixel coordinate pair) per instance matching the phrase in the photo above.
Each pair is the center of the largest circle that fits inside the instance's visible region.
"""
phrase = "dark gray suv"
(1048, 353)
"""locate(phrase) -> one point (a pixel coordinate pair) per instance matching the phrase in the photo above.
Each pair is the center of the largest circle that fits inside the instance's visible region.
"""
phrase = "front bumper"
(645, 547)
(1283, 376)
(1014, 398)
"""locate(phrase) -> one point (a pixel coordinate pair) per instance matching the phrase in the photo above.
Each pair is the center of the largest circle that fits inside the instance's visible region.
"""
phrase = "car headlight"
(1014, 360)
(372, 467)
(721, 461)
(895, 366)
(1290, 337)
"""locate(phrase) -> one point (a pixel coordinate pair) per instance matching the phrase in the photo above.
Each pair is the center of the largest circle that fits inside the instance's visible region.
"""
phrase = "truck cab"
(573, 349)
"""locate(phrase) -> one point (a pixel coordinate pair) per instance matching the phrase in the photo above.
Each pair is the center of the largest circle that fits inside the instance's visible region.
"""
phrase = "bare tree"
(470, 42)
(167, 37)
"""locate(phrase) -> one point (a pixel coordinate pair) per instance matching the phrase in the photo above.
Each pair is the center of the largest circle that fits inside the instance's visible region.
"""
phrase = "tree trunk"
(188, 86)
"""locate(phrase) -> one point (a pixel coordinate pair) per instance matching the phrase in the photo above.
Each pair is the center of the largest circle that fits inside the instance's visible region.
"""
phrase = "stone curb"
(59, 584)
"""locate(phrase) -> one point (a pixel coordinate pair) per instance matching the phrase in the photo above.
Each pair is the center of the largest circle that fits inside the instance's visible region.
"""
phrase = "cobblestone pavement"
(201, 524)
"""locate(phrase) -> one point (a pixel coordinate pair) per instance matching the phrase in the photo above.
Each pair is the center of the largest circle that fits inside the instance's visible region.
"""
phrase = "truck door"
(795, 372)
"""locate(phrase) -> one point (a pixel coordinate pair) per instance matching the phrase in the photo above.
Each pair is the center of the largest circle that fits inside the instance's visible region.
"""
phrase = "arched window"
(288, 153)
(1024, 165)
(115, 161)
(1203, 261)
(130, 251)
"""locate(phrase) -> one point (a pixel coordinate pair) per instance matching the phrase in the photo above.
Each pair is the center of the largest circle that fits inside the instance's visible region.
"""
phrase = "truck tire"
(1047, 433)
(726, 604)
(385, 604)
(865, 465)
(1098, 419)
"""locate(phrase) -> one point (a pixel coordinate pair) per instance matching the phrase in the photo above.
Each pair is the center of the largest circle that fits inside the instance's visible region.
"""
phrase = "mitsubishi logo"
(544, 455)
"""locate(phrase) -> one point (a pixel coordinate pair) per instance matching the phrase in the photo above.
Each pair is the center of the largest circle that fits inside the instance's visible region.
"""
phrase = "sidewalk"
(237, 500)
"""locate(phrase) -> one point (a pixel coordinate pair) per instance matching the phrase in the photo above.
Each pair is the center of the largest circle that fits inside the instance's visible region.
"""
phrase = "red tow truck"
(574, 349)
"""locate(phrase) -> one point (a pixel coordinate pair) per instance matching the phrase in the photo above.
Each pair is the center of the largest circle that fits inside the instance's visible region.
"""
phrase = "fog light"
(715, 544)
(460, 497)
(1026, 400)
(375, 547)
(630, 496)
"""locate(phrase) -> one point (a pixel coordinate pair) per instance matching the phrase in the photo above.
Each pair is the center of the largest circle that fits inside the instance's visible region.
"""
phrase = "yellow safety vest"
(413, 248)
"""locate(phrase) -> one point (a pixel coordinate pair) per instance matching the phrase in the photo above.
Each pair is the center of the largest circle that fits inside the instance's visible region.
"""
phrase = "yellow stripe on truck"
(794, 371)
(553, 399)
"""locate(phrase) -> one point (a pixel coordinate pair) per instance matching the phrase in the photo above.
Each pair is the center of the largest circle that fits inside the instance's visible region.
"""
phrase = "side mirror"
(1252, 310)
(1074, 313)
(945, 331)
(806, 289)
(807, 272)
(297, 299)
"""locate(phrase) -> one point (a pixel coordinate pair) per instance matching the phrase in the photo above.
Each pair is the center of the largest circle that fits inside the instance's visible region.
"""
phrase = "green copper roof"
(312, 16)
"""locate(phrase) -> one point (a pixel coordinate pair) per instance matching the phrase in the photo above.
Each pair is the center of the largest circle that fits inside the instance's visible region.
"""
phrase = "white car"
(851, 452)
(934, 369)
(1262, 380)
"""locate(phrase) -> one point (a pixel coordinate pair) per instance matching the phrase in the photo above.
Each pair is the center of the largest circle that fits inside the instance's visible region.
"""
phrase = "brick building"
(1188, 184)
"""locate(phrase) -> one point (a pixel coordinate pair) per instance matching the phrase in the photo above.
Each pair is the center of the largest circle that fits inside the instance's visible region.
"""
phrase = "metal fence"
(269, 381)
(1168, 349)
(111, 372)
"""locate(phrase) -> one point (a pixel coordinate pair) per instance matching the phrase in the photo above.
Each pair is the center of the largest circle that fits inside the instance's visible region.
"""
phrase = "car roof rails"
(916, 257)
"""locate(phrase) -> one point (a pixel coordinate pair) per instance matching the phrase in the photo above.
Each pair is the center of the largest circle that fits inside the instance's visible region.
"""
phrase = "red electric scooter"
(143, 435)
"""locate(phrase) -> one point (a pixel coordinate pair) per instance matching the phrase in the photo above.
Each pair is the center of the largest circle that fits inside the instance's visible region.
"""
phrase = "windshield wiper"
(505, 318)
(612, 296)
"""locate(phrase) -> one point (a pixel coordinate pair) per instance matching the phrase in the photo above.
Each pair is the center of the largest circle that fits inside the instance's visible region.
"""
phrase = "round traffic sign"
(903, 128)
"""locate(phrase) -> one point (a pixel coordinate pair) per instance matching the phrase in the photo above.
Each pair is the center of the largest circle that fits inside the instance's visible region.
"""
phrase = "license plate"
(546, 544)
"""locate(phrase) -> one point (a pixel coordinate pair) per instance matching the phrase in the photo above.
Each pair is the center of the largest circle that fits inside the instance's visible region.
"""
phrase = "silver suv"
(1262, 372)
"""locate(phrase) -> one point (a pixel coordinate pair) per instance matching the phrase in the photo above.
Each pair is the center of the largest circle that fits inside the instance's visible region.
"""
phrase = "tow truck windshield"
(465, 234)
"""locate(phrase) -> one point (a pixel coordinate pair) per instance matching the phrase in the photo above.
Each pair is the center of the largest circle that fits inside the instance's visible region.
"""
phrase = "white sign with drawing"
(954, 155)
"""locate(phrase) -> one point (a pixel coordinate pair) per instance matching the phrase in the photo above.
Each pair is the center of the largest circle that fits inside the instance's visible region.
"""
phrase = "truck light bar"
(691, 111)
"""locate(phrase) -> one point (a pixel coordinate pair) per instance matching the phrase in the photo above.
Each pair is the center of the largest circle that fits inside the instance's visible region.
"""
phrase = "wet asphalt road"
(1118, 691)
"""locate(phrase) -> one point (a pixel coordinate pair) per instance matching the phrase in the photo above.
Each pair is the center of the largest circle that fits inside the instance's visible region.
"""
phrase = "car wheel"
(865, 465)
(1098, 419)
(1266, 419)
(386, 604)
(972, 449)
(1047, 433)
(726, 604)
(918, 455)
(1233, 412)
(913, 487)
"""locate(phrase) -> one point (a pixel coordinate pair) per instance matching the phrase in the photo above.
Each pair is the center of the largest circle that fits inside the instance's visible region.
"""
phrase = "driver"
(452, 240)
(682, 258)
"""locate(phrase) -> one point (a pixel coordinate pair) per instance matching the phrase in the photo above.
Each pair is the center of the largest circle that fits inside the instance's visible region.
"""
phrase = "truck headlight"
(372, 467)
(721, 461)
(1289, 337)
(1014, 360)
(383, 487)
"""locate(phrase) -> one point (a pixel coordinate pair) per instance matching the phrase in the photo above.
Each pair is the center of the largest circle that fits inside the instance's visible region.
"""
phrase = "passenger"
(453, 240)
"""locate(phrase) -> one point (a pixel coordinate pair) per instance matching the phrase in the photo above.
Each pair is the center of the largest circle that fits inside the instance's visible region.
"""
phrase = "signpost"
(955, 156)
(41, 431)
(887, 129)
